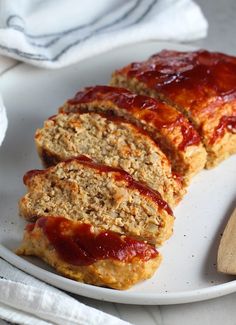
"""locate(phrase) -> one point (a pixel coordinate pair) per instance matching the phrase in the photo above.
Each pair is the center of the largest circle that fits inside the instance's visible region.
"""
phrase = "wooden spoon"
(226, 259)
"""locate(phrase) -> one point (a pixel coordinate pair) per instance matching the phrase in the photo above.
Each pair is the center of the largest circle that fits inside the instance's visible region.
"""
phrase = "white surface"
(188, 272)
(222, 25)
(77, 32)
(3, 121)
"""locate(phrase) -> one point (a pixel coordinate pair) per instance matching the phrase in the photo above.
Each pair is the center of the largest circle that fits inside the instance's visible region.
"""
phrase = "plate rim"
(112, 295)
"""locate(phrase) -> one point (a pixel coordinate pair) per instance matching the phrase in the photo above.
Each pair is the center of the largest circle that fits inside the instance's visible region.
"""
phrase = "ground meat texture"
(200, 84)
(109, 272)
(169, 128)
(106, 197)
(111, 141)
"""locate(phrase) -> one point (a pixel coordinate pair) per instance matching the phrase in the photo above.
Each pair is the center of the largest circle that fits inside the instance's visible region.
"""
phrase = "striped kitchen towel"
(56, 33)
(27, 301)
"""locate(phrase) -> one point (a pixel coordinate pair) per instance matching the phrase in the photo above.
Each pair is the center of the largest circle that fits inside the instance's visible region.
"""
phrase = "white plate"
(188, 272)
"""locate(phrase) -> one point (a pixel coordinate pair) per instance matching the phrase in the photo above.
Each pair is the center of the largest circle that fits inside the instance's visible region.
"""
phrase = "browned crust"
(110, 273)
(157, 228)
(119, 175)
(166, 131)
(49, 157)
(205, 92)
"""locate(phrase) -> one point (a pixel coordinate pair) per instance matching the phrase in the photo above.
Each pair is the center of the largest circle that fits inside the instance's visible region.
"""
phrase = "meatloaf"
(107, 197)
(200, 84)
(112, 141)
(168, 127)
(85, 254)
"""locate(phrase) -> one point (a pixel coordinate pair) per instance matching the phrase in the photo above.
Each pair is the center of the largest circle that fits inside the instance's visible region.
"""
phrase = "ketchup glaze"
(153, 112)
(119, 175)
(78, 244)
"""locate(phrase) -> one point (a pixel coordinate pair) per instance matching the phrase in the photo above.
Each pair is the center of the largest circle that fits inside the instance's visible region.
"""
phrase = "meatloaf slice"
(82, 253)
(111, 141)
(168, 127)
(107, 197)
(200, 84)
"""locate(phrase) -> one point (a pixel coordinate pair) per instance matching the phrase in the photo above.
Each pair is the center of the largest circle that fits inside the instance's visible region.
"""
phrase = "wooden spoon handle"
(226, 259)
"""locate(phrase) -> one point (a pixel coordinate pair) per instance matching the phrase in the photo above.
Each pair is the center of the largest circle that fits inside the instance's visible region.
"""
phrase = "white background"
(221, 15)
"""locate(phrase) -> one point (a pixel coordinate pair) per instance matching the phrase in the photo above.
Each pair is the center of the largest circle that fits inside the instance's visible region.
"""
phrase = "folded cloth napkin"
(28, 301)
(56, 33)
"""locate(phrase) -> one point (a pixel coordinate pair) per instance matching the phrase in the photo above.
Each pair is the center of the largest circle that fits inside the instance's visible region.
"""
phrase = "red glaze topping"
(30, 227)
(31, 173)
(199, 81)
(172, 72)
(153, 112)
(119, 176)
(226, 123)
(77, 243)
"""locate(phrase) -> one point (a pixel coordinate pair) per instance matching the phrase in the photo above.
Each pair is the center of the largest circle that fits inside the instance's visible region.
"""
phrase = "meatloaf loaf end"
(112, 141)
(106, 197)
(169, 128)
(200, 84)
(82, 253)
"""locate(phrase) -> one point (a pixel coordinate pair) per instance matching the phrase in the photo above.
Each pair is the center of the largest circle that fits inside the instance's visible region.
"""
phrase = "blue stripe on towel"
(42, 57)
